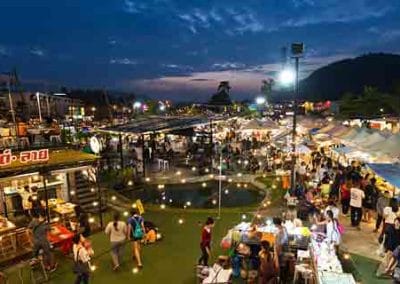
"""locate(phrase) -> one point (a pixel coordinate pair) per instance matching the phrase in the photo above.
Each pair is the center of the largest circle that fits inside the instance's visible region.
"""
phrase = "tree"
(221, 97)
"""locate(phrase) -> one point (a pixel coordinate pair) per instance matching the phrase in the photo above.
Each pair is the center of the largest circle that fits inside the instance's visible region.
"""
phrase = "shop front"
(51, 183)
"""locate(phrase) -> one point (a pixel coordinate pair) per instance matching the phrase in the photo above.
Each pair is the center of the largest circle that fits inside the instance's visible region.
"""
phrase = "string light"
(264, 204)
(206, 170)
(170, 201)
(92, 189)
(95, 203)
(193, 169)
(162, 206)
(230, 180)
(204, 184)
(214, 202)
(72, 192)
(178, 173)
(126, 213)
(211, 176)
(188, 203)
(264, 175)
(183, 180)
(238, 185)
(91, 220)
(346, 256)
(268, 202)
(161, 186)
(113, 198)
(93, 268)
(135, 270)
(239, 174)
(274, 186)
(130, 183)
(180, 221)
(244, 216)
(259, 216)
(226, 191)
(147, 179)
(245, 185)
(134, 205)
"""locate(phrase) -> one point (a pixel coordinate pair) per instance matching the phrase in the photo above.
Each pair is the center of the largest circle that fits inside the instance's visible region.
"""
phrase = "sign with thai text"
(24, 157)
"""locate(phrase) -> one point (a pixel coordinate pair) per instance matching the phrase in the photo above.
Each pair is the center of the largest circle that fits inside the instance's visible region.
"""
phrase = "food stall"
(48, 182)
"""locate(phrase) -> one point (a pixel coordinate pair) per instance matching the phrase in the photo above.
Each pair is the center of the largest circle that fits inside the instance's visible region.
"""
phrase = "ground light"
(162, 206)
(135, 270)
(180, 221)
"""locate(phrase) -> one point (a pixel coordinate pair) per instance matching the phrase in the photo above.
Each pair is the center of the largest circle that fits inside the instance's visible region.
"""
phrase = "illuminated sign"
(25, 157)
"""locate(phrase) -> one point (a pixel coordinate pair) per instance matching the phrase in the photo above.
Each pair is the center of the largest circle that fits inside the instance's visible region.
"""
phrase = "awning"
(389, 172)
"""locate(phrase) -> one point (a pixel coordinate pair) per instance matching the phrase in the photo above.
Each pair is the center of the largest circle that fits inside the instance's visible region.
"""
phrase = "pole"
(38, 103)
(11, 104)
(144, 157)
(296, 93)
(121, 154)
(46, 196)
(220, 185)
(99, 198)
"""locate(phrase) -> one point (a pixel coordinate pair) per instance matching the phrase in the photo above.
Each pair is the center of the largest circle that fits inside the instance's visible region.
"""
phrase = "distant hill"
(330, 82)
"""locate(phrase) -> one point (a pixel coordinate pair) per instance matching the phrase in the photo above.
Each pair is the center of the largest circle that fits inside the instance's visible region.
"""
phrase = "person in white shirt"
(117, 232)
(356, 197)
(81, 260)
(332, 207)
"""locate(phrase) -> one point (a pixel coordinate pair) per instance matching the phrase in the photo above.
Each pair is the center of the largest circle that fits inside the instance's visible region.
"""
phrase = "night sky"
(180, 49)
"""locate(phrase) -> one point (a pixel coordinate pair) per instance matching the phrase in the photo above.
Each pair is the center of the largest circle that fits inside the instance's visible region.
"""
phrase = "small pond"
(199, 195)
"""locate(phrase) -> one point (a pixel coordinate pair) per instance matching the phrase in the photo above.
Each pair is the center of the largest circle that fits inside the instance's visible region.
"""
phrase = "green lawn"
(172, 260)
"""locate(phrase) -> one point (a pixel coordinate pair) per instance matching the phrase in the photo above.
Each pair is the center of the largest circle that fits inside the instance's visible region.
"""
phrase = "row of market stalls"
(378, 150)
(49, 182)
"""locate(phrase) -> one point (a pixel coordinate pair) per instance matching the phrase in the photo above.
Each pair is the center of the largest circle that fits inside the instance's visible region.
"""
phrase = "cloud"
(133, 7)
(4, 51)
(228, 65)
(244, 21)
(246, 80)
(36, 51)
(123, 61)
(390, 35)
(332, 11)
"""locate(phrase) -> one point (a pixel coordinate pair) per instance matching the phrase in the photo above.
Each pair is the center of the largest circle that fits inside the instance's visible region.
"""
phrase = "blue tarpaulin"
(389, 172)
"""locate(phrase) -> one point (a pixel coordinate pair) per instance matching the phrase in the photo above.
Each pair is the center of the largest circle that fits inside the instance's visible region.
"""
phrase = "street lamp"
(260, 101)
(288, 76)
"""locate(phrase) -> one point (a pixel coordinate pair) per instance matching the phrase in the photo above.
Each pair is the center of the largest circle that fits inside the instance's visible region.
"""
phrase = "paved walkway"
(362, 242)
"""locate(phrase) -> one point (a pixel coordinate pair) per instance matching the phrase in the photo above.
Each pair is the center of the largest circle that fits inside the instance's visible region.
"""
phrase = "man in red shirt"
(205, 243)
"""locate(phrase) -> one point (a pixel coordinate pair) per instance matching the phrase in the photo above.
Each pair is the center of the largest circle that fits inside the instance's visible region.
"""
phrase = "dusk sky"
(181, 49)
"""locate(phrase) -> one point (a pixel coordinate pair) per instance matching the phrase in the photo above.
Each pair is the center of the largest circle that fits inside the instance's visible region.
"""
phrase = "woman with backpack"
(135, 233)
(117, 231)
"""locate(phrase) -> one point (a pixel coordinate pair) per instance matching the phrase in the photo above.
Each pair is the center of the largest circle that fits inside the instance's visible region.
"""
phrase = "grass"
(171, 260)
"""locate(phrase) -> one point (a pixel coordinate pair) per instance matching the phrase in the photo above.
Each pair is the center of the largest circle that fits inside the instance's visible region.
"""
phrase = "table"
(61, 237)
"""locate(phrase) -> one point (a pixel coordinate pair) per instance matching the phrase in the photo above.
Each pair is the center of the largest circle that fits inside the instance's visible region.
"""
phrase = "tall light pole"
(287, 77)
(297, 52)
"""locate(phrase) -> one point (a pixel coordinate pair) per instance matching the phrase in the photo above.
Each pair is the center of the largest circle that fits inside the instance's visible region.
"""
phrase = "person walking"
(39, 229)
(81, 260)
(135, 233)
(205, 243)
(117, 232)
(356, 198)
(383, 201)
